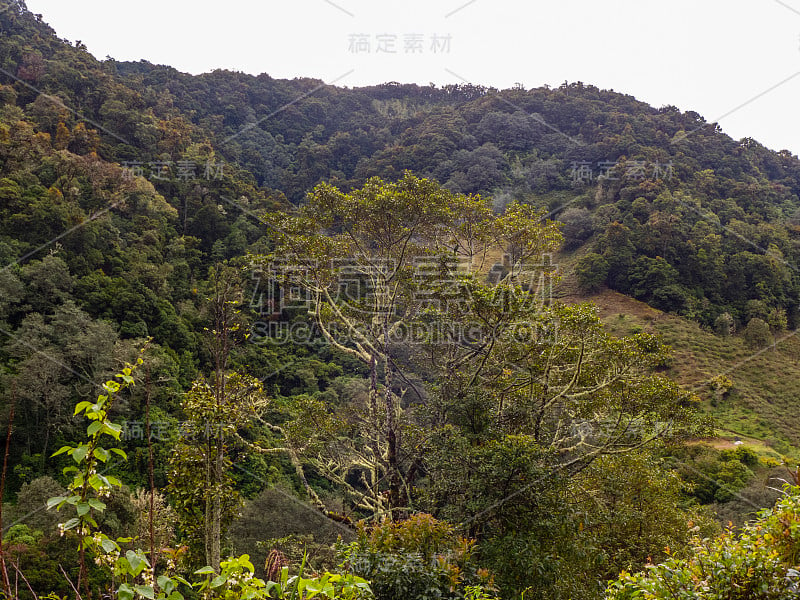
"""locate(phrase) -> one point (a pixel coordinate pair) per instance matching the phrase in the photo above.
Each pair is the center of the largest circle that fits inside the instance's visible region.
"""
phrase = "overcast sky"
(736, 62)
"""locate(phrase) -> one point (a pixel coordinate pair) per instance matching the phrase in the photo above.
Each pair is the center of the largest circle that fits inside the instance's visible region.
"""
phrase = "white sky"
(710, 56)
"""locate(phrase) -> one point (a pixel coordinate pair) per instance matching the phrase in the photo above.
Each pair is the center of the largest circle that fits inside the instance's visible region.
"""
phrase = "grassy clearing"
(764, 403)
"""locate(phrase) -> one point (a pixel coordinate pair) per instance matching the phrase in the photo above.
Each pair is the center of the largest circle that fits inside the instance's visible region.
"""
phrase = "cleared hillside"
(764, 402)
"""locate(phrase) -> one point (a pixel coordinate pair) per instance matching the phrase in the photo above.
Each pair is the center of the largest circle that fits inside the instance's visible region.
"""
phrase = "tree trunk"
(216, 517)
(392, 445)
(3, 570)
(208, 500)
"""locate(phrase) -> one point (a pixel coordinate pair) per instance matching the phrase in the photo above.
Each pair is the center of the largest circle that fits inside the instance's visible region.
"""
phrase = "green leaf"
(82, 508)
(79, 453)
(125, 592)
(137, 562)
(269, 587)
(108, 544)
(97, 504)
(93, 428)
(120, 452)
(218, 581)
(61, 450)
(145, 591)
(205, 571)
(113, 430)
(81, 406)
(101, 454)
(51, 502)
(71, 524)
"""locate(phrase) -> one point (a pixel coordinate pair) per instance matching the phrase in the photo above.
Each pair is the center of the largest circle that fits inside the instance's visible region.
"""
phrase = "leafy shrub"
(22, 535)
(747, 456)
(419, 558)
(725, 325)
(777, 319)
(757, 333)
(31, 498)
(716, 476)
(757, 564)
(592, 271)
(577, 226)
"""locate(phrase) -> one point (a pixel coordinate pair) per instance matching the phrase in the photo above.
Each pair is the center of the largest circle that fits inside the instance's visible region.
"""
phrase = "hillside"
(760, 404)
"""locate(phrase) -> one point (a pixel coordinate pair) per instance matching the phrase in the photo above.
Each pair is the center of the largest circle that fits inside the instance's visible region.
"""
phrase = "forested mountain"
(141, 207)
(685, 217)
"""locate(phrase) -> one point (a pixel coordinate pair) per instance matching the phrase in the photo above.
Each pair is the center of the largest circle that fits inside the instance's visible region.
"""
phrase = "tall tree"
(216, 406)
(369, 265)
(219, 408)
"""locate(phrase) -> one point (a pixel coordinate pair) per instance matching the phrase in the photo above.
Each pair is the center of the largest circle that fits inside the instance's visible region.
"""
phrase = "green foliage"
(705, 215)
(199, 467)
(757, 334)
(757, 563)
(276, 519)
(592, 271)
(416, 558)
(30, 499)
(577, 226)
(777, 320)
(721, 385)
(628, 492)
(719, 476)
(237, 582)
(724, 325)
(88, 486)
(21, 534)
(132, 567)
(404, 246)
(747, 456)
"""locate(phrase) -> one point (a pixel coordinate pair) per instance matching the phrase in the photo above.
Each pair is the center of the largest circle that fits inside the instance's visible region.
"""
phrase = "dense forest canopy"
(711, 221)
(337, 306)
